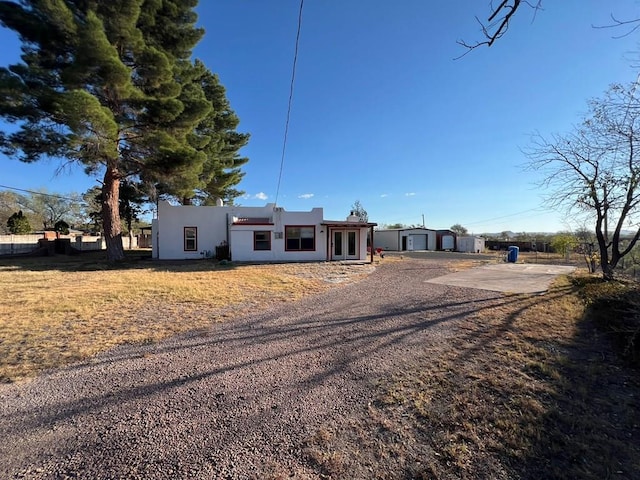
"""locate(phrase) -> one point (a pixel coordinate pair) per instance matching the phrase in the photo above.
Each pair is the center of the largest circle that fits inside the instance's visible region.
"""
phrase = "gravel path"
(238, 401)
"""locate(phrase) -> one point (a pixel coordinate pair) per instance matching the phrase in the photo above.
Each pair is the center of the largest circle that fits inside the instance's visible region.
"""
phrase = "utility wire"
(536, 209)
(293, 77)
(32, 192)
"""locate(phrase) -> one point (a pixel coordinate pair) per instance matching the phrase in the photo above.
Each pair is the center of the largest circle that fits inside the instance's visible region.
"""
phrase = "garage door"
(419, 242)
(447, 242)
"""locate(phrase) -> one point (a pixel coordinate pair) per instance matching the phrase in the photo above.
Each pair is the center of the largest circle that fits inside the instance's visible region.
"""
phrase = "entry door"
(345, 245)
(410, 243)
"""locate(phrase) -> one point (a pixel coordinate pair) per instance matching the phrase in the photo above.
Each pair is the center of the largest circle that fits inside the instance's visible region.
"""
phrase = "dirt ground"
(387, 377)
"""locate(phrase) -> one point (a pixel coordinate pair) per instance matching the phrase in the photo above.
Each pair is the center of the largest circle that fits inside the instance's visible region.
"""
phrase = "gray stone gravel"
(238, 401)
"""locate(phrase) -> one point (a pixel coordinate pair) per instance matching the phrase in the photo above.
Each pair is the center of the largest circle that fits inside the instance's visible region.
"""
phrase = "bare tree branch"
(498, 22)
(635, 22)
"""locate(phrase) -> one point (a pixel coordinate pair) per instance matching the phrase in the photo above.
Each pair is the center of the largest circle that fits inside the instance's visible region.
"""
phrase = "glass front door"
(337, 244)
(345, 245)
(352, 244)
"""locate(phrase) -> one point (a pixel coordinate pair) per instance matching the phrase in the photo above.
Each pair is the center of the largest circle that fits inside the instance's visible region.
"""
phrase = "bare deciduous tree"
(594, 171)
(358, 210)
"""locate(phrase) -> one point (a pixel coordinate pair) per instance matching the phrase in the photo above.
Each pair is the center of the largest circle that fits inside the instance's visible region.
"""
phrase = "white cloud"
(306, 195)
(384, 195)
(410, 194)
(257, 196)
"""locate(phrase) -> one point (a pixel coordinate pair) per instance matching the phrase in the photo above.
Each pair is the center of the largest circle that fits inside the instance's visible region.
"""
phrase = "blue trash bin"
(512, 255)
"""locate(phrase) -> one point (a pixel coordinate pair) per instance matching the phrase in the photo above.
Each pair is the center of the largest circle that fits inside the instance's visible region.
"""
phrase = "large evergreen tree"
(217, 138)
(112, 85)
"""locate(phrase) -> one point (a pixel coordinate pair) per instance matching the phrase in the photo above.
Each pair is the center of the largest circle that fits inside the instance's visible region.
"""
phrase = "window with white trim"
(190, 239)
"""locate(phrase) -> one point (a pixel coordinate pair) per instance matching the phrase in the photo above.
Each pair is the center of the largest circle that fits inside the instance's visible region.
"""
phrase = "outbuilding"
(470, 244)
(446, 240)
(405, 239)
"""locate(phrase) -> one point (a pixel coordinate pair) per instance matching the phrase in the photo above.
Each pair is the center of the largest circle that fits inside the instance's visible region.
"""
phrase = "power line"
(293, 76)
(538, 209)
(32, 192)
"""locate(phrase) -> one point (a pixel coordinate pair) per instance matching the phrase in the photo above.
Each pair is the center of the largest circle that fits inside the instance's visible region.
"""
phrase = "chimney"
(353, 217)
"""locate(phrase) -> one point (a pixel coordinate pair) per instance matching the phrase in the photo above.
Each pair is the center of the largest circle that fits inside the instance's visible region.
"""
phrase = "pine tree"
(112, 86)
(18, 224)
(222, 167)
(216, 137)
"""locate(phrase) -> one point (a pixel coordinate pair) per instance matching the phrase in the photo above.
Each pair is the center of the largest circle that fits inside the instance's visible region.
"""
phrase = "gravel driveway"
(238, 401)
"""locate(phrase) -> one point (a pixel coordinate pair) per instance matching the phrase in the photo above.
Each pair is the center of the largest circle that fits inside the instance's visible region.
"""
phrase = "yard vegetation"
(543, 386)
(59, 310)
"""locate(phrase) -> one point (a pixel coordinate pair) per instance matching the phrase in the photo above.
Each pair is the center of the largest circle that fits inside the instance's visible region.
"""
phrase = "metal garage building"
(405, 239)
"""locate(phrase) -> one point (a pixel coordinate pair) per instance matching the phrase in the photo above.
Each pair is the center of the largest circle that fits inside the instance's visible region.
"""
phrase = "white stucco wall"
(215, 225)
(211, 223)
(241, 239)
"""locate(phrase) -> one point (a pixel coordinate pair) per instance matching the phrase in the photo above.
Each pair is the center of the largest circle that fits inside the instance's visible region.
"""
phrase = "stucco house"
(256, 234)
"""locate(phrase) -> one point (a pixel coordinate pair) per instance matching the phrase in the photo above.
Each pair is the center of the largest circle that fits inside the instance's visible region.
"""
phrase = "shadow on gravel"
(344, 339)
(522, 391)
(471, 390)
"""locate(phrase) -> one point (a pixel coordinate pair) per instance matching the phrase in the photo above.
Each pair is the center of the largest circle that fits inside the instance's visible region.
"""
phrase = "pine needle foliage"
(113, 86)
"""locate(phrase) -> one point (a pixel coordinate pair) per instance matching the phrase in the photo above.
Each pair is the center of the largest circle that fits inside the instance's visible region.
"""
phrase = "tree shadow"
(235, 383)
(591, 428)
(95, 261)
(543, 403)
(292, 352)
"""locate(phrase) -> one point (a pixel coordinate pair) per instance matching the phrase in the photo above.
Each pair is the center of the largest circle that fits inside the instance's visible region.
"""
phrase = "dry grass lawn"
(63, 309)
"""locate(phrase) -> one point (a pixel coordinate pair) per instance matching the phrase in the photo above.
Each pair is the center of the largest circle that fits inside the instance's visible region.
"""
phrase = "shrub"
(18, 224)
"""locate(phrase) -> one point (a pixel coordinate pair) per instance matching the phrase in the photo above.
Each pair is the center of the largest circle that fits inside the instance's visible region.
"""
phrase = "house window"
(262, 240)
(300, 238)
(190, 239)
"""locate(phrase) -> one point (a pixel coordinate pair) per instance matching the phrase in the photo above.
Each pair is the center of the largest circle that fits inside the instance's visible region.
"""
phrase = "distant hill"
(509, 234)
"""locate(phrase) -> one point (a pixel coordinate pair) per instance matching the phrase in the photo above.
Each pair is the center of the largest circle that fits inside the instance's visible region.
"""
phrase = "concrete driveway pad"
(506, 277)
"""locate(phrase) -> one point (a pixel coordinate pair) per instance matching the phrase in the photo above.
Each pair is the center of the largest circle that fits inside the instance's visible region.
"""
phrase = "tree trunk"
(607, 272)
(111, 215)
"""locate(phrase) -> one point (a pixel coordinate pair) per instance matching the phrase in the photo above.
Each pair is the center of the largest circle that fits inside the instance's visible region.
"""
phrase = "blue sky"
(383, 114)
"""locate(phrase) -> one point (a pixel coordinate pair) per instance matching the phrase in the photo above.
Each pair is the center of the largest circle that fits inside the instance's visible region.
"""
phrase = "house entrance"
(345, 245)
